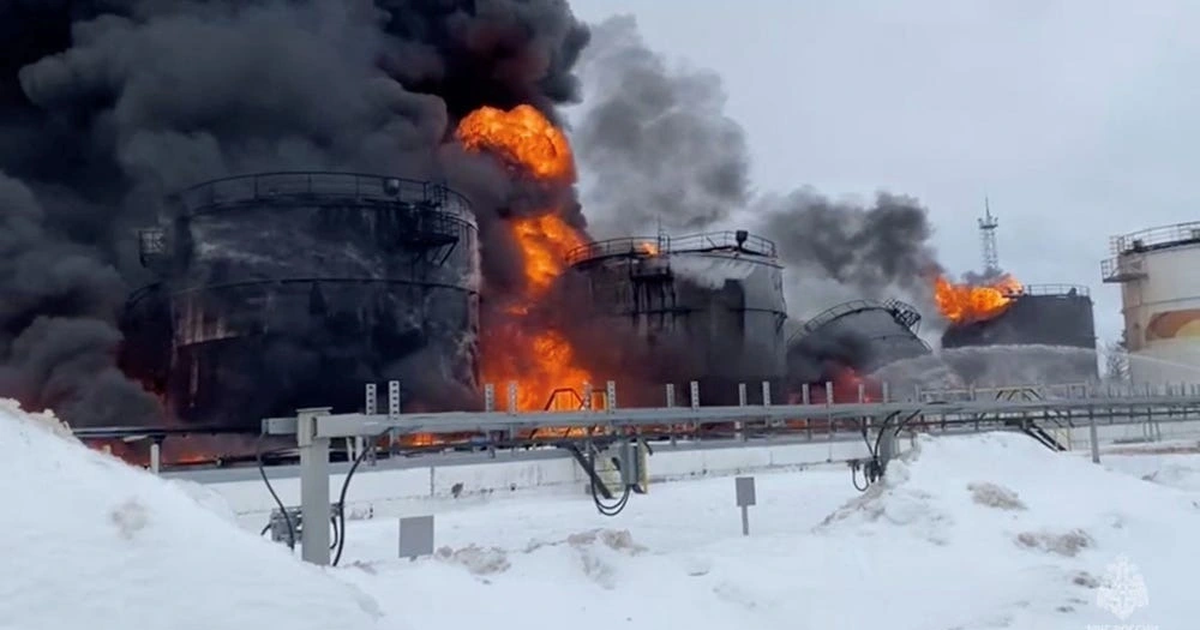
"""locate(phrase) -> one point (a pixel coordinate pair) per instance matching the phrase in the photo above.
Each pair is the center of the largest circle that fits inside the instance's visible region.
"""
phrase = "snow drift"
(90, 542)
(987, 531)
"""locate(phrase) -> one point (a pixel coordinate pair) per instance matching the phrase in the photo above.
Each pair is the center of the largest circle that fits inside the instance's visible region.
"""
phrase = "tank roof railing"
(357, 186)
(1155, 238)
(650, 246)
(1055, 289)
(899, 310)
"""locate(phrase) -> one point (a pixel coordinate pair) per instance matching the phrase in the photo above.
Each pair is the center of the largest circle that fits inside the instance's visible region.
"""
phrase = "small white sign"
(744, 488)
(745, 491)
(416, 536)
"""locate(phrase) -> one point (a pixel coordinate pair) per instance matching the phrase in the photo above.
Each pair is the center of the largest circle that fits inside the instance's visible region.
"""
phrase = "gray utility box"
(632, 471)
(279, 525)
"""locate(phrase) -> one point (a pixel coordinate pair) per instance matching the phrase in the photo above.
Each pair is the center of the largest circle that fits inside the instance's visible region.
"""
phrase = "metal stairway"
(1027, 425)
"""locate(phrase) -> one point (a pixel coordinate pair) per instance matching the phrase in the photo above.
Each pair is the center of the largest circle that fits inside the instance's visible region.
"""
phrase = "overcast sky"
(1079, 119)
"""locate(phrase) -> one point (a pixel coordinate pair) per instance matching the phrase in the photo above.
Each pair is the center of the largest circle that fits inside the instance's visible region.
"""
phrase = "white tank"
(1159, 273)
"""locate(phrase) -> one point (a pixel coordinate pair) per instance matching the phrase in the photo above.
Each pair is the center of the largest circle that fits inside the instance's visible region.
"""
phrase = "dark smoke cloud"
(839, 251)
(658, 144)
(107, 106)
(58, 308)
(817, 357)
(655, 144)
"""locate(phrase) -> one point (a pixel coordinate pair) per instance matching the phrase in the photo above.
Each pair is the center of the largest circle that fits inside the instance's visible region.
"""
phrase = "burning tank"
(1033, 333)
(861, 336)
(284, 290)
(706, 307)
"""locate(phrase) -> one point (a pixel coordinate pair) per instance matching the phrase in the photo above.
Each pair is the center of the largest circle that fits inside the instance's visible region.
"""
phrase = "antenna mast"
(987, 233)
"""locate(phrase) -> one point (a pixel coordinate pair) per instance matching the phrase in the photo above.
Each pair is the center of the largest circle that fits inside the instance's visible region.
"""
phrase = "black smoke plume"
(656, 142)
(108, 106)
(837, 251)
(656, 146)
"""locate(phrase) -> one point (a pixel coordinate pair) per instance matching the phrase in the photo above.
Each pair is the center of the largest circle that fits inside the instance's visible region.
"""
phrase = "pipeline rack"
(1028, 409)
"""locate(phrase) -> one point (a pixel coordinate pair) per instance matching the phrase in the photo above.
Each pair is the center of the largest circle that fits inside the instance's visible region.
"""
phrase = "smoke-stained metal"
(709, 307)
(283, 290)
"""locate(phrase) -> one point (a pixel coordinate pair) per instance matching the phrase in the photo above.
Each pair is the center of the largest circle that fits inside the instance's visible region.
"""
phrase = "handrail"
(651, 246)
(897, 309)
(1155, 237)
(1055, 289)
(272, 185)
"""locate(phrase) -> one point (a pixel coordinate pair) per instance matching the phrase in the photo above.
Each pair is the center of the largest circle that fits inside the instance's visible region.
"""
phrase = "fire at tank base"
(700, 319)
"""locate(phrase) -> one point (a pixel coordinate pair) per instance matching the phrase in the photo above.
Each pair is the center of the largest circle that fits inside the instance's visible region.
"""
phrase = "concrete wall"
(386, 491)
(389, 489)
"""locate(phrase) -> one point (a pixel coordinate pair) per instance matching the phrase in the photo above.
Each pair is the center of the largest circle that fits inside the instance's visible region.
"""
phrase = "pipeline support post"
(738, 426)
(314, 486)
(156, 455)
(887, 443)
(1093, 437)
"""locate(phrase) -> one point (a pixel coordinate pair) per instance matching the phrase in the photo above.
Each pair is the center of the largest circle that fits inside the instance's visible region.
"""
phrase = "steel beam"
(315, 428)
(344, 425)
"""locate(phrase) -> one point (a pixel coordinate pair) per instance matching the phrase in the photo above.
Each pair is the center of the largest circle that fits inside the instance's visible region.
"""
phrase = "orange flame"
(964, 303)
(544, 242)
(538, 359)
(648, 248)
(523, 137)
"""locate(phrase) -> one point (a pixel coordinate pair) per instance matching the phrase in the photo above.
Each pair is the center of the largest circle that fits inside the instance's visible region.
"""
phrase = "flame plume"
(520, 348)
(964, 303)
(523, 138)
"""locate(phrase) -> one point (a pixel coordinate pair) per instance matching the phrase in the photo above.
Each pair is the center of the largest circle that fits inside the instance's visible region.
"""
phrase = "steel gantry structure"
(1028, 409)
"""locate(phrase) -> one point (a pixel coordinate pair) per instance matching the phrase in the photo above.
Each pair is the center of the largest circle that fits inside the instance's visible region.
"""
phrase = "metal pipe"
(341, 425)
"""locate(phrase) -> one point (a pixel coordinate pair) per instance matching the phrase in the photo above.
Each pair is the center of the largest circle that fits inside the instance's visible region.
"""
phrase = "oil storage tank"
(1046, 334)
(290, 290)
(1160, 300)
(704, 307)
(864, 335)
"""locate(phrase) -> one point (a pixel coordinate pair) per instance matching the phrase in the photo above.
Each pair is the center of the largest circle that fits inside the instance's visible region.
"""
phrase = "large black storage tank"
(1047, 334)
(705, 307)
(290, 290)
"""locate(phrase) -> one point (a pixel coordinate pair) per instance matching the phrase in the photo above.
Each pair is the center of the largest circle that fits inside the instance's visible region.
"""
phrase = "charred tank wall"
(294, 290)
(703, 310)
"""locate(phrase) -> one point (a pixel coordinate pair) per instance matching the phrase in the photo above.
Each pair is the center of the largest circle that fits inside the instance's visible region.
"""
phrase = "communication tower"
(987, 233)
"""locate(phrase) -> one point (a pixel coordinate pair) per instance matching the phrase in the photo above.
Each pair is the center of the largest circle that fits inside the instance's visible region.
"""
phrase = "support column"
(156, 455)
(739, 426)
(887, 442)
(314, 487)
(1093, 438)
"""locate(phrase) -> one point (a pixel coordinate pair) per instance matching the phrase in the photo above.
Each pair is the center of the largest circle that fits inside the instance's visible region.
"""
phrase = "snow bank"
(1175, 470)
(988, 531)
(999, 512)
(92, 543)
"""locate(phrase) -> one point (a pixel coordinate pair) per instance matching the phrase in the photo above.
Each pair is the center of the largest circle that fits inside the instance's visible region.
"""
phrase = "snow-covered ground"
(89, 542)
(989, 531)
(1174, 464)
